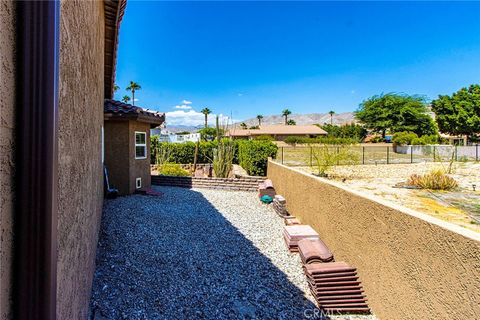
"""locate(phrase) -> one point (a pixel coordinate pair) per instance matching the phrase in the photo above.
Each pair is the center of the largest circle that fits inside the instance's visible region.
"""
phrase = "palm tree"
(126, 99)
(115, 87)
(206, 112)
(259, 117)
(331, 113)
(133, 86)
(243, 125)
(286, 113)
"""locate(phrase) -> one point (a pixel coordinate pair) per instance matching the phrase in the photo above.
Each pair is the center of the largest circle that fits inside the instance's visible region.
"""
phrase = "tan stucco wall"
(120, 155)
(7, 168)
(139, 168)
(117, 146)
(412, 266)
(80, 169)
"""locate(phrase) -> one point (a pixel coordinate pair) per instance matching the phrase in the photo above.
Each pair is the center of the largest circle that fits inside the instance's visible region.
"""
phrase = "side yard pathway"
(196, 254)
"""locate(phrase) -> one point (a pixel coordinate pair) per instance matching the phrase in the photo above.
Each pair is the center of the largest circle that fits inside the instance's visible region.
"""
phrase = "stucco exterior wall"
(139, 168)
(412, 266)
(81, 99)
(117, 146)
(7, 150)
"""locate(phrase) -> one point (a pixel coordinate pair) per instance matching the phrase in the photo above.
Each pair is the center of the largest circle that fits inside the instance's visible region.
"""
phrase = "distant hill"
(181, 128)
(302, 119)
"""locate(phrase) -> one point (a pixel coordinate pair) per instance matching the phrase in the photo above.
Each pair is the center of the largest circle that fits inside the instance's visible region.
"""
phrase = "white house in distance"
(168, 136)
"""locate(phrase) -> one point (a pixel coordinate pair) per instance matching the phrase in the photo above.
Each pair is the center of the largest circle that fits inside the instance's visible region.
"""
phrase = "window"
(140, 145)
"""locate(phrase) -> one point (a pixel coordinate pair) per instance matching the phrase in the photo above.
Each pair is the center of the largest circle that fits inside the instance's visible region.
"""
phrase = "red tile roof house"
(53, 89)
(127, 145)
(278, 132)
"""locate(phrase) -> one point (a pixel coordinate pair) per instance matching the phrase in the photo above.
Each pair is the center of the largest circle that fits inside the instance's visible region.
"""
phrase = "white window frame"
(140, 145)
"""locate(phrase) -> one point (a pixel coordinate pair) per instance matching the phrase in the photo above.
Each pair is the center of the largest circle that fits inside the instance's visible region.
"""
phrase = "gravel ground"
(197, 254)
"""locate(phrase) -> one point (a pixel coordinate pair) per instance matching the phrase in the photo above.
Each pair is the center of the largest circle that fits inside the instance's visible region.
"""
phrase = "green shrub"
(410, 138)
(404, 138)
(265, 137)
(173, 169)
(253, 155)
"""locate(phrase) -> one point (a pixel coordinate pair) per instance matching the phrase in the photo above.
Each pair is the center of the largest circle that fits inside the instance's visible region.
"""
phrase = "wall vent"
(138, 183)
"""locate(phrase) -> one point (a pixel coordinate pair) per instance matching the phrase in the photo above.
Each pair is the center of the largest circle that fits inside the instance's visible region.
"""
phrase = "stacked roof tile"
(336, 287)
(294, 233)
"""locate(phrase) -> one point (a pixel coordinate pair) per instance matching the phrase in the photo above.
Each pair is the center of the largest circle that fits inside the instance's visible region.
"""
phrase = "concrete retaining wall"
(234, 184)
(412, 266)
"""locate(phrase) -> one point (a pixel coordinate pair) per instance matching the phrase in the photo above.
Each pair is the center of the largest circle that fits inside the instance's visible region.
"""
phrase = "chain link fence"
(305, 155)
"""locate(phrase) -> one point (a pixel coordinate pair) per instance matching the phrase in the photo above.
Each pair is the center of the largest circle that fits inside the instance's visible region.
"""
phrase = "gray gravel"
(196, 254)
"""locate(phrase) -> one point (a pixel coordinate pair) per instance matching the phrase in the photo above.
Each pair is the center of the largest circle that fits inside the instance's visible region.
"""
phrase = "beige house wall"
(80, 189)
(412, 266)
(7, 150)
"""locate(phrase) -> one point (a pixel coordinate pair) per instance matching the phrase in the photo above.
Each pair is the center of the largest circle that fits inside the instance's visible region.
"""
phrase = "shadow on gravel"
(177, 257)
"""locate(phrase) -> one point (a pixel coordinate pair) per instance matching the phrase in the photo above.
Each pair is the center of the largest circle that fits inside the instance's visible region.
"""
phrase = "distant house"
(278, 132)
(168, 136)
(127, 144)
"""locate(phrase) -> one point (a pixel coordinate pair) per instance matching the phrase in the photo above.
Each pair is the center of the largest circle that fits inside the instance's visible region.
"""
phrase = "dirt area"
(460, 206)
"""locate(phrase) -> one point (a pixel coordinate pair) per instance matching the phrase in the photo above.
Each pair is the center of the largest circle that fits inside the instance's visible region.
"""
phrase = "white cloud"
(183, 106)
(186, 102)
(192, 118)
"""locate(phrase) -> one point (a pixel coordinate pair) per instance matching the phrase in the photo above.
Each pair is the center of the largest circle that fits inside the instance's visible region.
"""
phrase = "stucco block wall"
(139, 168)
(7, 150)
(117, 146)
(412, 266)
(81, 97)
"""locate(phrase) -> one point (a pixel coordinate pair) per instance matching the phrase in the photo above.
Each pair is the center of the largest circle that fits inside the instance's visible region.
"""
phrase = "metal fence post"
(476, 152)
(338, 151)
(388, 155)
(363, 155)
(282, 154)
(411, 154)
(433, 153)
(456, 153)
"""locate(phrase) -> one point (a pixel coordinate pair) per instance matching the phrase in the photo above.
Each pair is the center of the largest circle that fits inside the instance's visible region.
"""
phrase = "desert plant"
(223, 158)
(173, 169)
(434, 180)
(324, 157)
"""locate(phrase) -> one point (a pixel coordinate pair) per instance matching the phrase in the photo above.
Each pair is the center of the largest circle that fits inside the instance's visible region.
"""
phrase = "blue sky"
(249, 58)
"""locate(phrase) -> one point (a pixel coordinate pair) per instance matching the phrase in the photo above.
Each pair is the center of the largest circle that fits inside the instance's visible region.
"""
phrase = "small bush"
(434, 180)
(264, 137)
(253, 155)
(173, 169)
(410, 138)
(404, 138)
(325, 157)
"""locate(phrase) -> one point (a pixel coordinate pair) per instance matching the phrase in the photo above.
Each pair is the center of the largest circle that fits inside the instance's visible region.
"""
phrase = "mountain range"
(303, 119)
(300, 119)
